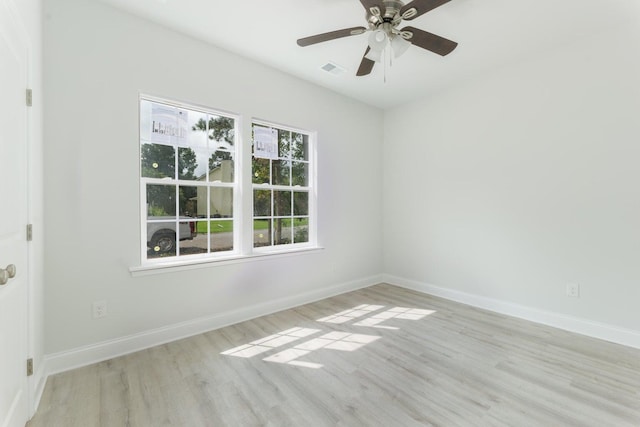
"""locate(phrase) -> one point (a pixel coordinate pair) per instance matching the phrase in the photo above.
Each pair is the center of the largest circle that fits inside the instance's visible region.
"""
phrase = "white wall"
(521, 181)
(97, 60)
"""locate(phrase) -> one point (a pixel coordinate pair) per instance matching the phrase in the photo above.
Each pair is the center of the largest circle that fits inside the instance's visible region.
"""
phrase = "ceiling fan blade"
(368, 4)
(421, 7)
(319, 38)
(366, 65)
(432, 42)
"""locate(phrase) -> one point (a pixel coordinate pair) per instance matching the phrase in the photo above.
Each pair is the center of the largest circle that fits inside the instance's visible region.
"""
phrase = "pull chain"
(384, 60)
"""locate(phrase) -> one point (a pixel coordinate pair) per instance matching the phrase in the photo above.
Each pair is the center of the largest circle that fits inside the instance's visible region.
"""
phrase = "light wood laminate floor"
(380, 356)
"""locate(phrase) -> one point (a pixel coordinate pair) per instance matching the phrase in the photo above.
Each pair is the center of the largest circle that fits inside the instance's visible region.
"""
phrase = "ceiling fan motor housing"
(390, 14)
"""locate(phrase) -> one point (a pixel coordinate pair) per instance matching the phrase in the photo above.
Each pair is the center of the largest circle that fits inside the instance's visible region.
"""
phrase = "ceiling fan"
(383, 18)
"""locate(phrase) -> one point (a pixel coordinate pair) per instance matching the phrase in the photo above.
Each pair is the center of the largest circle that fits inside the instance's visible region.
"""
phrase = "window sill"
(182, 265)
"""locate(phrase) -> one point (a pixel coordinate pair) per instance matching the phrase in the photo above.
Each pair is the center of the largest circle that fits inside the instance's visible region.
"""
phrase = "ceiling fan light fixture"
(399, 46)
(378, 40)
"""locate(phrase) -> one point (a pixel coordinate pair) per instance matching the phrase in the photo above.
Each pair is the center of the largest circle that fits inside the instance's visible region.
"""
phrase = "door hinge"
(29, 97)
(29, 367)
(29, 232)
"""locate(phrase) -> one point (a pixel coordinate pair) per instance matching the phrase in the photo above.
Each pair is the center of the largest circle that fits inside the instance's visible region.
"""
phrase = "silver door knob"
(7, 273)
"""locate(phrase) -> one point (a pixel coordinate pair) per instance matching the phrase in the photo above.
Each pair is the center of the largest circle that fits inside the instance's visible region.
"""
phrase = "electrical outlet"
(573, 290)
(99, 309)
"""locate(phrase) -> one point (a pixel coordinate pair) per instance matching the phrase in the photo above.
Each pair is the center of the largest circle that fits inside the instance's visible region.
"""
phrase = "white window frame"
(311, 188)
(242, 198)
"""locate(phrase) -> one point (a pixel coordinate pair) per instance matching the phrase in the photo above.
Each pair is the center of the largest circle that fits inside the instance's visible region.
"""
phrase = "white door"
(13, 218)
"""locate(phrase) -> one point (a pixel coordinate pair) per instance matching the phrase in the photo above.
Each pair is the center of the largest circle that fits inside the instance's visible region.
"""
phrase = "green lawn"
(223, 226)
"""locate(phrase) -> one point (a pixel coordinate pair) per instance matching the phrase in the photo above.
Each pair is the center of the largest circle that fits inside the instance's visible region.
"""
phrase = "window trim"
(243, 249)
(172, 267)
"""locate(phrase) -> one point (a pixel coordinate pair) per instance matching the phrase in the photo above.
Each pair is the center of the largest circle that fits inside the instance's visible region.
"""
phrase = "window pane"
(191, 241)
(300, 174)
(161, 239)
(301, 230)
(221, 200)
(284, 143)
(282, 231)
(301, 203)
(221, 235)
(261, 203)
(281, 170)
(260, 171)
(261, 232)
(161, 200)
(192, 164)
(299, 146)
(188, 202)
(282, 203)
(157, 161)
(221, 132)
(221, 166)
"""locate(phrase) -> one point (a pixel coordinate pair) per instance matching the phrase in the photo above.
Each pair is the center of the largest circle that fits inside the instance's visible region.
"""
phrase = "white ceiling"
(490, 33)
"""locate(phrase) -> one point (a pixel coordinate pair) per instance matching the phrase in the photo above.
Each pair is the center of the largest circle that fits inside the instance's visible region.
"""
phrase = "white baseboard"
(40, 380)
(618, 335)
(87, 355)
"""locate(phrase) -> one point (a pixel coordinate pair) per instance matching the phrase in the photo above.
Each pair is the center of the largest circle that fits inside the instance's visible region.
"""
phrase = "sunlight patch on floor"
(365, 315)
(342, 341)
(269, 343)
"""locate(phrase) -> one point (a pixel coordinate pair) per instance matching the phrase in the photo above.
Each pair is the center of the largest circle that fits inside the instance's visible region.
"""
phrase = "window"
(187, 175)
(191, 198)
(281, 186)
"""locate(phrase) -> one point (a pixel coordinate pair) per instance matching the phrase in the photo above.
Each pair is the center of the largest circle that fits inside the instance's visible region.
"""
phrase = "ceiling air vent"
(332, 68)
